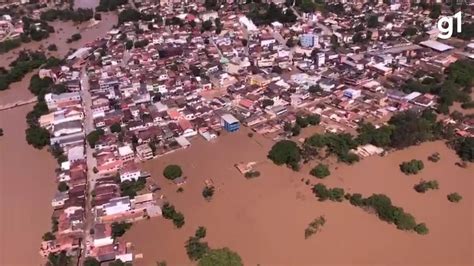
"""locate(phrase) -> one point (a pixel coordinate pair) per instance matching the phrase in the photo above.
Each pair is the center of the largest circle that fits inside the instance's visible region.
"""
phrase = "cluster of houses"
(10, 28)
(177, 82)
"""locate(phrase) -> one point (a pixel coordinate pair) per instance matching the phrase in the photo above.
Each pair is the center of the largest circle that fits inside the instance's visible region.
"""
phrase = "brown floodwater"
(27, 181)
(27, 186)
(264, 219)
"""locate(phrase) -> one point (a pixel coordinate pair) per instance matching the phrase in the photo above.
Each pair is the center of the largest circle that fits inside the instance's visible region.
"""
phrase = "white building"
(117, 205)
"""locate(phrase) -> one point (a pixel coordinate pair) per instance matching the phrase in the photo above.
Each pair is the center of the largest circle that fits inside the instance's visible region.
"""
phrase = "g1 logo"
(446, 26)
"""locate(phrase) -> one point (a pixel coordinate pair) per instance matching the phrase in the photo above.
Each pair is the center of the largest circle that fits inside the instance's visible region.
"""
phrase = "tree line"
(378, 203)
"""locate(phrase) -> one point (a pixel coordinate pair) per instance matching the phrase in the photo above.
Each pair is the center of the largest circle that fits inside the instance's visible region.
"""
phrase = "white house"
(117, 205)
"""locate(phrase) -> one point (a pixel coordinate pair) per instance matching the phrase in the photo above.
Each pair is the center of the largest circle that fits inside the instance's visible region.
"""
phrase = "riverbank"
(264, 219)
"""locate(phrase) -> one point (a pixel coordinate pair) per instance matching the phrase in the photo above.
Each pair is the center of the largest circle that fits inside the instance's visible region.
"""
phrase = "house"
(67, 128)
(129, 172)
(144, 152)
(102, 235)
(126, 153)
(75, 153)
(57, 101)
(117, 206)
(230, 123)
(59, 199)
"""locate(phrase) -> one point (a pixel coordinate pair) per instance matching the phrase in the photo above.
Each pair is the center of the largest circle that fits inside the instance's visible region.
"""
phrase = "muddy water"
(26, 189)
(26, 174)
(86, 4)
(264, 219)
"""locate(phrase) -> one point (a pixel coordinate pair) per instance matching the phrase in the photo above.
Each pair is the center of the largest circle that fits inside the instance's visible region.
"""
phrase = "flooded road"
(264, 219)
(27, 179)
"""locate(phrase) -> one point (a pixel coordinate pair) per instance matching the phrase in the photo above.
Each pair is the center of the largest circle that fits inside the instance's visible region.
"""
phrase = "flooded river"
(27, 175)
(264, 219)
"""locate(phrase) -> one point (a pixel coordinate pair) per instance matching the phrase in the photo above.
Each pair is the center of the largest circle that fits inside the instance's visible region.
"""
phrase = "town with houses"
(150, 87)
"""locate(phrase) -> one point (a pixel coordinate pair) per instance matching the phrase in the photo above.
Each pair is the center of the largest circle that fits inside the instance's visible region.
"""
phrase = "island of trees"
(378, 203)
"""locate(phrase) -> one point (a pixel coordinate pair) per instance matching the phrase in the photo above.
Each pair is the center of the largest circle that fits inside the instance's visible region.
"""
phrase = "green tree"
(421, 229)
(411, 167)
(119, 228)
(454, 197)
(313, 119)
(128, 44)
(207, 25)
(91, 261)
(172, 171)
(301, 121)
(373, 21)
(62, 186)
(115, 128)
(465, 149)
(37, 136)
(221, 257)
(208, 192)
(285, 152)
(48, 236)
(195, 248)
(320, 171)
(200, 232)
(94, 137)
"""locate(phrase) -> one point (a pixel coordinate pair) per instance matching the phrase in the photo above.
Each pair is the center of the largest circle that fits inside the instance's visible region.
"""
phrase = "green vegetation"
(91, 261)
(132, 187)
(314, 227)
(172, 171)
(421, 229)
(52, 47)
(411, 167)
(54, 224)
(94, 137)
(372, 21)
(195, 248)
(382, 205)
(208, 192)
(110, 5)
(1, 132)
(320, 171)
(37, 136)
(24, 63)
(424, 186)
(435, 157)
(170, 213)
(220, 257)
(265, 14)
(337, 144)
(119, 229)
(200, 232)
(129, 14)
(79, 15)
(115, 128)
(48, 236)
(465, 148)
(252, 174)
(59, 259)
(62, 186)
(304, 121)
(8, 45)
(323, 193)
(454, 197)
(285, 152)
(75, 37)
(180, 190)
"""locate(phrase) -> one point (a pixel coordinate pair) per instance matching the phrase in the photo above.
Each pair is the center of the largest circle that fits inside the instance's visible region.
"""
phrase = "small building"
(230, 123)
(126, 153)
(144, 152)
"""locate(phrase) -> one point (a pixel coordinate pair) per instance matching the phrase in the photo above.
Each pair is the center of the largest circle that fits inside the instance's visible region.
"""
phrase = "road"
(91, 163)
